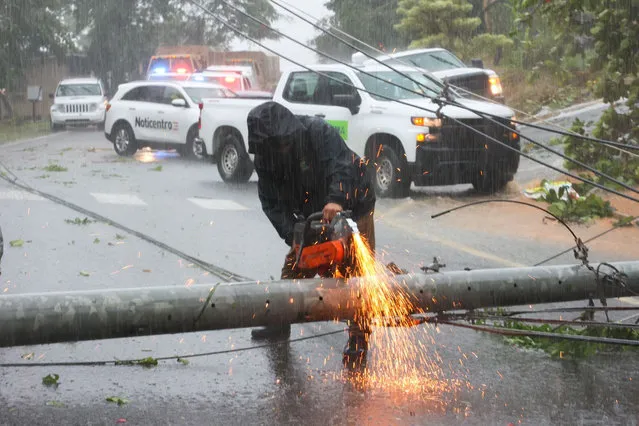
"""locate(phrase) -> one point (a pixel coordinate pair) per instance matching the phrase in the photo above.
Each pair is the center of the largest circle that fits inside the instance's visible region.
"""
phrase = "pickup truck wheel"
(232, 164)
(124, 141)
(190, 150)
(490, 182)
(391, 177)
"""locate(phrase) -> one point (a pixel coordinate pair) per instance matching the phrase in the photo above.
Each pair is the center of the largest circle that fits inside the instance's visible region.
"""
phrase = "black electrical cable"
(475, 203)
(601, 234)
(326, 55)
(308, 21)
(555, 321)
(555, 336)
(215, 270)
(547, 148)
(240, 33)
(341, 40)
(166, 358)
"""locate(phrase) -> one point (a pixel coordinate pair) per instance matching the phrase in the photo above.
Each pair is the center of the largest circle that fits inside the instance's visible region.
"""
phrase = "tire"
(391, 174)
(124, 141)
(233, 163)
(489, 182)
(189, 149)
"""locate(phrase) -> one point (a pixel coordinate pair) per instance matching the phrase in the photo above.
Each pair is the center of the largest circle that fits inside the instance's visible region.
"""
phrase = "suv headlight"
(495, 85)
(426, 122)
(57, 108)
(93, 107)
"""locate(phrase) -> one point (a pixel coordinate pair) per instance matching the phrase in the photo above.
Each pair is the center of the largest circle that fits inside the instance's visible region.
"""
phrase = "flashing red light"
(229, 79)
(181, 70)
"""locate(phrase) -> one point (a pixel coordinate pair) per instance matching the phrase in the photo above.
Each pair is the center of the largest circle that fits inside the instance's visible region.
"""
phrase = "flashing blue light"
(159, 70)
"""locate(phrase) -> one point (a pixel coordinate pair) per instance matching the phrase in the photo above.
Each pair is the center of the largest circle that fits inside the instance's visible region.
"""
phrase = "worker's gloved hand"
(330, 210)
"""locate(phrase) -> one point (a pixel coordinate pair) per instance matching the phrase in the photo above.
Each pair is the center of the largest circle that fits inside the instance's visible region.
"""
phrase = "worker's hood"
(271, 125)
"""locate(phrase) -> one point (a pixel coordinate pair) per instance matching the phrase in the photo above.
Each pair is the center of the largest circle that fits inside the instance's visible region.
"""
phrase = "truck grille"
(469, 145)
(477, 84)
(75, 108)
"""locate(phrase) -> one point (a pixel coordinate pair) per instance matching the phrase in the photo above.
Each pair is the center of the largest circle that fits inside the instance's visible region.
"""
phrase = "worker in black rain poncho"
(304, 166)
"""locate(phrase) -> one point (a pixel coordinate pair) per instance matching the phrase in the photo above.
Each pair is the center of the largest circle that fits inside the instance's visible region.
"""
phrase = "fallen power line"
(215, 270)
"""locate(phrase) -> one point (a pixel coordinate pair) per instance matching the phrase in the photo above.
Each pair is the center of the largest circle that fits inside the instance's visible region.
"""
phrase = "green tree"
(440, 23)
(371, 21)
(614, 28)
(28, 29)
(448, 24)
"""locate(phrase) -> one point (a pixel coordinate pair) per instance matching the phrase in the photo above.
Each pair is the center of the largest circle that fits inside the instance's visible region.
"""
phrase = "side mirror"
(352, 102)
(477, 63)
(51, 96)
(179, 102)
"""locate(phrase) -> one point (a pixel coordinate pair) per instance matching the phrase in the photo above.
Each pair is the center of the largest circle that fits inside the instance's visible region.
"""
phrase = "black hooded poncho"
(316, 169)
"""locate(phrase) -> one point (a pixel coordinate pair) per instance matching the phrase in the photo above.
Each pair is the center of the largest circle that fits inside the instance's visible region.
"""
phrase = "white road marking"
(125, 199)
(211, 204)
(20, 196)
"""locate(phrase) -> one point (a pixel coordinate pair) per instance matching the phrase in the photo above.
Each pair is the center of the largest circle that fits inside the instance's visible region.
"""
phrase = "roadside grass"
(530, 95)
(13, 131)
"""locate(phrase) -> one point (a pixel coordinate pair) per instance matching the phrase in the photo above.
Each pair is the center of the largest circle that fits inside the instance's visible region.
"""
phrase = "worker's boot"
(357, 347)
(282, 331)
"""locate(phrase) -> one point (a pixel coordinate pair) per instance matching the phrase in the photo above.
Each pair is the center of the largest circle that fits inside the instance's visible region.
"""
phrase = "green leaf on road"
(55, 404)
(156, 169)
(183, 361)
(84, 274)
(16, 243)
(117, 400)
(50, 380)
(119, 237)
(96, 240)
(147, 362)
(55, 168)
(78, 221)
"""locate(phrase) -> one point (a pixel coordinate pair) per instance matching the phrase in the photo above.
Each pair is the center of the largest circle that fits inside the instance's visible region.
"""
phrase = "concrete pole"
(29, 319)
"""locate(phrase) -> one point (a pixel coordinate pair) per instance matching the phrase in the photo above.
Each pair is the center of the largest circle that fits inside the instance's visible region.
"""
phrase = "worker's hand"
(330, 210)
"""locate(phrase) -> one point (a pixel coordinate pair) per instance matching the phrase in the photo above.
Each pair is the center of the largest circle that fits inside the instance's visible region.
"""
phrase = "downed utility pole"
(29, 319)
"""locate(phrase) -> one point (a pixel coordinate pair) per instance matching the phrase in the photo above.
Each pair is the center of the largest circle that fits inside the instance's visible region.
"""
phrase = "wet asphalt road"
(480, 379)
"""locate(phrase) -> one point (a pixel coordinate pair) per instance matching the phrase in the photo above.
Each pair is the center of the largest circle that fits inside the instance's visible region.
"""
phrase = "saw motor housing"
(323, 246)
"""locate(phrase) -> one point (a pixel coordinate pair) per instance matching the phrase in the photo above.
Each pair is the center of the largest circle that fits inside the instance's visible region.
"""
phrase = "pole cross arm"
(41, 318)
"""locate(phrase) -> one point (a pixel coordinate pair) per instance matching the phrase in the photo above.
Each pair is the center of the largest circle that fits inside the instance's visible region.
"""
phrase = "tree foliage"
(614, 29)
(28, 29)
(371, 21)
(116, 35)
(449, 24)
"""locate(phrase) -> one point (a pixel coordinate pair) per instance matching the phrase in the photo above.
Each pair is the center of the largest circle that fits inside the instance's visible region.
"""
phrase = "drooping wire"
(389, 66)
(475, 203)
(568, 250)
(547, 148)
(564, 132)
(326, 55)
(253, 40)
(167, 358)
(213, 269)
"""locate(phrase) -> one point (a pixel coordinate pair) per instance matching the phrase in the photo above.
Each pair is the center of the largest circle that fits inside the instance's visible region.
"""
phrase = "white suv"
(158, 114)
(78, 102)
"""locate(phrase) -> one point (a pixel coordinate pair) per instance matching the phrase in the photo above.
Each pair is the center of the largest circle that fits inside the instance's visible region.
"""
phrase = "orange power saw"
(321, 245)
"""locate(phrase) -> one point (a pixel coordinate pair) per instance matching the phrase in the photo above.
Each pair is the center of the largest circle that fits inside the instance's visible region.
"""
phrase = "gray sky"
(293, 27)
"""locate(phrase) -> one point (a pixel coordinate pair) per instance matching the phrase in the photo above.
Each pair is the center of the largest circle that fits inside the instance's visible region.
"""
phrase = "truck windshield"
(79, 90)
(388, 90)
(199, 93)
(431, 61)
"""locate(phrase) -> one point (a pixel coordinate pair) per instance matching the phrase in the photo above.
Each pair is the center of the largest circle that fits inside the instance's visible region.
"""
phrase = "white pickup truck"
(407, 144)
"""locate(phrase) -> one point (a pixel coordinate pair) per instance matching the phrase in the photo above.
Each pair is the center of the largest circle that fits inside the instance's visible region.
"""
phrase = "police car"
(162, 114)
